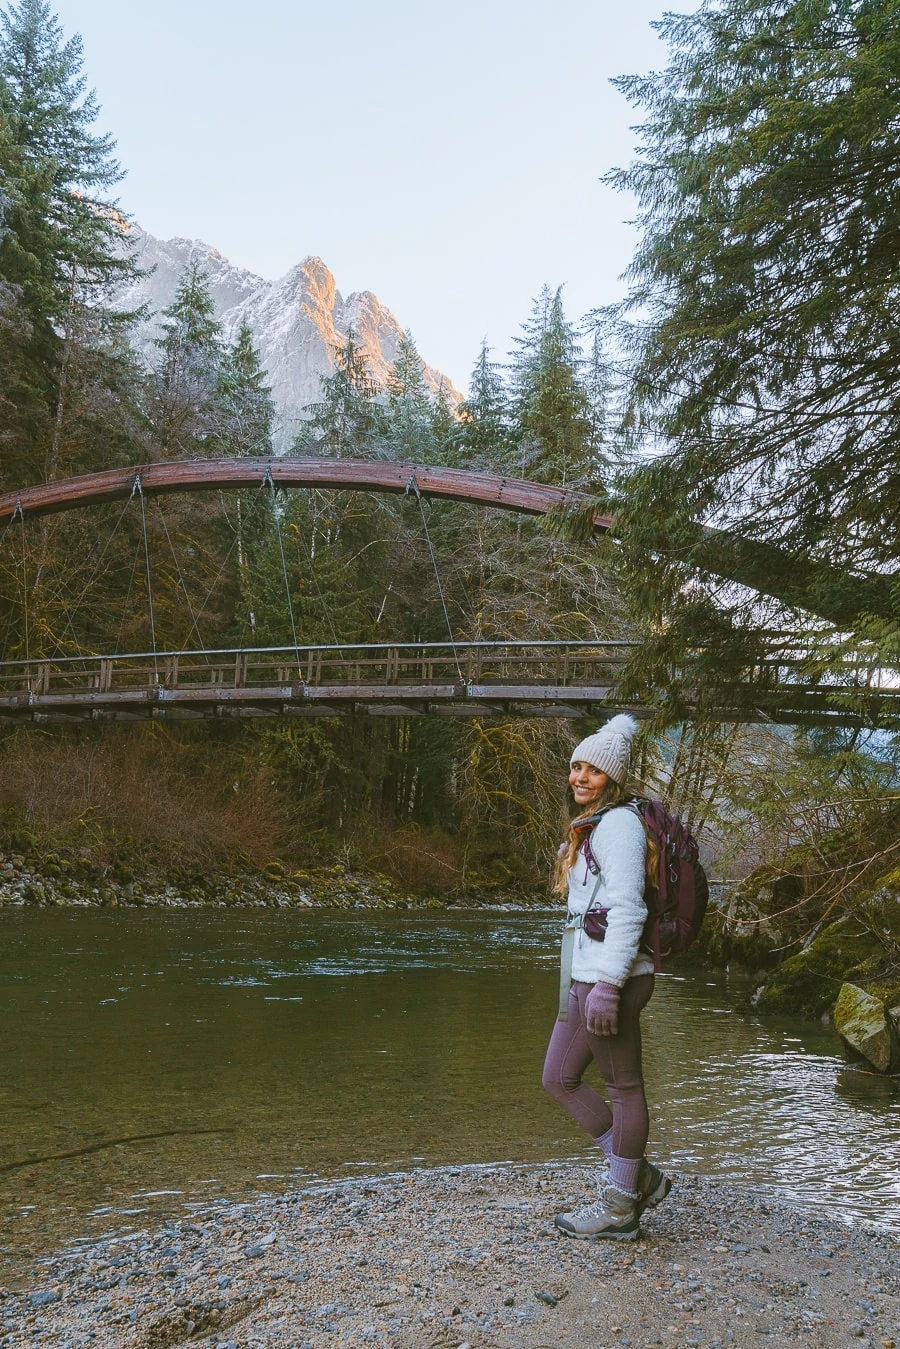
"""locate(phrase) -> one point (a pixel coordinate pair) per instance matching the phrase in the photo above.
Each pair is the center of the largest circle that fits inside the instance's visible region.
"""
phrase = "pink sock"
(605, 1142)
(624, 1172)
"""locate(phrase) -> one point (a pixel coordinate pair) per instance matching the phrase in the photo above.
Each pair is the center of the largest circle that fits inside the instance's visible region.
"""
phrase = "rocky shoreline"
(468, 1256)
(56, 881)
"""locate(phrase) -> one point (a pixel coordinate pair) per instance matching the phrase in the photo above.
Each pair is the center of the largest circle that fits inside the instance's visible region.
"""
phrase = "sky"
(446, 157)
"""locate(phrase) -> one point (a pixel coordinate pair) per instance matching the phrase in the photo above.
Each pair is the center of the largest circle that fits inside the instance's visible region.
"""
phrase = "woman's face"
(587, 782)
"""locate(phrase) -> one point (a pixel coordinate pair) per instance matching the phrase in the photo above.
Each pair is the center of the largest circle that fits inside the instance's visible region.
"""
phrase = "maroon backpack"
(677, 899)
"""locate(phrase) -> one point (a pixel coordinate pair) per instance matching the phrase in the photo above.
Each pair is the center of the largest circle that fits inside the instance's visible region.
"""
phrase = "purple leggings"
(618, 1058)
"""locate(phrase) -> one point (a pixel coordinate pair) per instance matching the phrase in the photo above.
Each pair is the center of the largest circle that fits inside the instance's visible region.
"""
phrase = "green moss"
(808, 982)
(863, 948)
(886, 990)
(724, 945)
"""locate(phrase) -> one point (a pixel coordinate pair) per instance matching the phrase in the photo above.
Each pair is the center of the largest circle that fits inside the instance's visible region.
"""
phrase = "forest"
(748, 382)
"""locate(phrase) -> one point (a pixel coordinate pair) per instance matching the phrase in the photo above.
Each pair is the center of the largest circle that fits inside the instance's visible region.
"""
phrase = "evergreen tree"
(44, 96)
(244, 411)
(599, 383)
(63, 243)
(768, 281)
(444, 429)
(187, 381)
(553, 415)
(29, 344)
(408, 423)
(348, 422)
(484, 440)
(242, 418)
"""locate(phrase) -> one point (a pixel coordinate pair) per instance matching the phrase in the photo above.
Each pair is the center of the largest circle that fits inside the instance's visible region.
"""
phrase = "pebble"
(457, 1257)
(260, 1247)
(43, 1298)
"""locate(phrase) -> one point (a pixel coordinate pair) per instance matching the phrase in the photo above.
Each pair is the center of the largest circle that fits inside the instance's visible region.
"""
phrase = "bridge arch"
(817, 586)
(193, 475)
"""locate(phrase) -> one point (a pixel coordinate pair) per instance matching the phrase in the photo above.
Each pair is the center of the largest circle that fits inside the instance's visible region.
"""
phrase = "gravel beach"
(467, 1256)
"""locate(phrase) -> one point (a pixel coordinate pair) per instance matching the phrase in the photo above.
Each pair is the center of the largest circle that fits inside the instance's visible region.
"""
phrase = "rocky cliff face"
(297, 321)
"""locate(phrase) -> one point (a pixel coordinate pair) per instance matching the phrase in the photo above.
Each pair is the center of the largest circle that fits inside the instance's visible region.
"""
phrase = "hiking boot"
(653, 1186)
(614, 1216)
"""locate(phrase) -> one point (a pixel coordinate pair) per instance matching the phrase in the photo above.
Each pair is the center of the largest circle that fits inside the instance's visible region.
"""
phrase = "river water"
(268, 1049)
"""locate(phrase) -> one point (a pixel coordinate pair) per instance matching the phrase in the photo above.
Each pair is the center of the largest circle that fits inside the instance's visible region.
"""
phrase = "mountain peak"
(297, 321)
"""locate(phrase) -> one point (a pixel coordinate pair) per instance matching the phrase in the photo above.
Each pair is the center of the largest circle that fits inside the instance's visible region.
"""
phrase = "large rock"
(805, 982)
(861, 1019)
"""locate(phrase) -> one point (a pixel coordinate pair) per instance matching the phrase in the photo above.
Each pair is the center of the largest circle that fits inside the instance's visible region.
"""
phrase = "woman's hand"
(601, 1010)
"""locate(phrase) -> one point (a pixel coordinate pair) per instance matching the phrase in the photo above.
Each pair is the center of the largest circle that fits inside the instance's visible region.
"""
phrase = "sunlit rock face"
(297, 321)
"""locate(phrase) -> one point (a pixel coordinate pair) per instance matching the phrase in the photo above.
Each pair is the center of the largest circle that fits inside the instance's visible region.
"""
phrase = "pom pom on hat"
(609, 749)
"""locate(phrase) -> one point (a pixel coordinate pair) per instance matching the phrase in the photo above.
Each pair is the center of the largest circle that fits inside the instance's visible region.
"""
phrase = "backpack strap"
(650, 934)
(574, 921)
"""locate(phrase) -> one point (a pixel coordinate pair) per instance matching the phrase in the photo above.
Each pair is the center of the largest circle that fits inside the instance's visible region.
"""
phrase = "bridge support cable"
(287, 585)
(218, 576)
(128, 594)
(139, 491)
(25, 586)
(181, 581)
(315, 576)
(70, 615)
(821, 588)
(16, 515)
(413, 486)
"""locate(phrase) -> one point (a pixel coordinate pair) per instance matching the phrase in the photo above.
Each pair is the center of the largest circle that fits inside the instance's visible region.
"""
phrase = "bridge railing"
(564, 678)
(556, 662)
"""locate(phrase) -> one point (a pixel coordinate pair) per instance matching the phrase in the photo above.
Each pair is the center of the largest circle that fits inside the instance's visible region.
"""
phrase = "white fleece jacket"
(619, 846)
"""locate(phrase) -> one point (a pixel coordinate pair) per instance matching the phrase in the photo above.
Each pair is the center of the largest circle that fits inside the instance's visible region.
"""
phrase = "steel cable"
(287, 587)
(413, 486)
(194, 624)
(140, 491)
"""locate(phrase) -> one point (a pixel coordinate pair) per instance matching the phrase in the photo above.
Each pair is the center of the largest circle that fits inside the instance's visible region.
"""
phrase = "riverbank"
(58, 881)
(468, 1256)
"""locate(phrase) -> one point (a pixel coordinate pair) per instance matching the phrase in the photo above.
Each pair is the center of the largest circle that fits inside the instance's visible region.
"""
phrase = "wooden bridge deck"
(470, 679)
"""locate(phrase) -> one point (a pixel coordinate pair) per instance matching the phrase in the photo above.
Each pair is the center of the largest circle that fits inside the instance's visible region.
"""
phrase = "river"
(266, 1049)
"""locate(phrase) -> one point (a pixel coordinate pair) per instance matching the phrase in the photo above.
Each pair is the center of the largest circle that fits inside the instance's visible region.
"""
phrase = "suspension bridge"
(483, 679)
(454, 678)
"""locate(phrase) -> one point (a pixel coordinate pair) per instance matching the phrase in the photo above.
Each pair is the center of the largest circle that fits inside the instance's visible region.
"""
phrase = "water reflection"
(328, 1044)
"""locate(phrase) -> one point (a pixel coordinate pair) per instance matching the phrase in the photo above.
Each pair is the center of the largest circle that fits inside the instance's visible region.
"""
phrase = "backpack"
(677, 900)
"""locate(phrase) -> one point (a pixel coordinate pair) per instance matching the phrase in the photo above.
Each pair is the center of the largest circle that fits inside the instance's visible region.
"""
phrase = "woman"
(603, 866)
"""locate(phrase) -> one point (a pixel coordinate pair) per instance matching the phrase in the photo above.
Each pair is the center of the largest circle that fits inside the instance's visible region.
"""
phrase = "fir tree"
(766, 351)
(599, 383)
(484, 440)
(64, 243)
(553, 415)
(29, 343)
(348, 422)
(244, 410)
(187, 382)
(444, 429)
(408, 404)
(45, 98)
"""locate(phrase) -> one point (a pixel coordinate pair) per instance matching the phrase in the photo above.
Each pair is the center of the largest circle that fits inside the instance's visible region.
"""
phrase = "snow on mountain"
(297, 321)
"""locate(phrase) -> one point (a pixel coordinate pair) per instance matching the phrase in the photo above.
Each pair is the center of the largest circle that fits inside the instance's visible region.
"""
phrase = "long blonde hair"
(613, 794)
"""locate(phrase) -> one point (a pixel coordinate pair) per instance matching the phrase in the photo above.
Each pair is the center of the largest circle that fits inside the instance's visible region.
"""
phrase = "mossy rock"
(862, 1021)
(886, 990)
(809, 982)
(722, 944)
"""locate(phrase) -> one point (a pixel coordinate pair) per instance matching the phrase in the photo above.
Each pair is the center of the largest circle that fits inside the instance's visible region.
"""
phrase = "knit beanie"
(609, 749)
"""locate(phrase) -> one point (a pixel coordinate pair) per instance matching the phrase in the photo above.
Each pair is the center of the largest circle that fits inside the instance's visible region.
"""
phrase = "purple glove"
(601, 1010)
